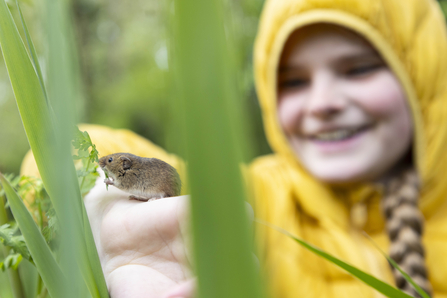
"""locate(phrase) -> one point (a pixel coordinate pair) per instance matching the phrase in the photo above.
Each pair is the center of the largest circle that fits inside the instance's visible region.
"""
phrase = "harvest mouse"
(144, 178)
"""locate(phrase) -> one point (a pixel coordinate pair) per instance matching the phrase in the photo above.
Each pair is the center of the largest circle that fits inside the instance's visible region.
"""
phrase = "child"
(354, 102)
(354, 96)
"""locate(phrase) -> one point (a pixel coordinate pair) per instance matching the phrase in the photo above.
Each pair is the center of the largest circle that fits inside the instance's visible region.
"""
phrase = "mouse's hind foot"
(142, 199)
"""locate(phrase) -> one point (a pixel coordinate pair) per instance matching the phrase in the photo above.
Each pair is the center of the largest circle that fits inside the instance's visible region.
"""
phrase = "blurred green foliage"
(443, 6)
(124, 61)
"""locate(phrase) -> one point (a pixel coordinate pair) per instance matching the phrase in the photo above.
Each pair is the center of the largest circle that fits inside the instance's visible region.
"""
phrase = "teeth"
(335, 135)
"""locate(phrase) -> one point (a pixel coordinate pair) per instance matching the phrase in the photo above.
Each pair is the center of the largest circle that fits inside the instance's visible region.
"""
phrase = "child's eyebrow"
(288, 68)
(354, 58)
(344, 59)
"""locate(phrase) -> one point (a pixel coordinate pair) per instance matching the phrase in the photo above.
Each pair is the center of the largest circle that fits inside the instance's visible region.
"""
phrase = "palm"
(140, 244)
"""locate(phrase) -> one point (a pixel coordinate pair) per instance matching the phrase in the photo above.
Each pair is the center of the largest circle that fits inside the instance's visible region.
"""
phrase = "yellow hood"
(410, 35)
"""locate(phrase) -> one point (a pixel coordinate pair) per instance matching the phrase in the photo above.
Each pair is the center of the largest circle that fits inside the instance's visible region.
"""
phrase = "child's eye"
(362, 70)
(288, 84)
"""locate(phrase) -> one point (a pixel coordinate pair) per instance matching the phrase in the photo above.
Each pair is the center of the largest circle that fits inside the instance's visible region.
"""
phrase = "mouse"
(146, 179)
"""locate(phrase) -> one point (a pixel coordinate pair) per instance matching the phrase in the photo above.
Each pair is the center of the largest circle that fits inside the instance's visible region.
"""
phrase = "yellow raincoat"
(412, 38)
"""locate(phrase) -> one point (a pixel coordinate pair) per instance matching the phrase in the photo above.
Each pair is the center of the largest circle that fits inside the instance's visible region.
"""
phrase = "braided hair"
(404, 224)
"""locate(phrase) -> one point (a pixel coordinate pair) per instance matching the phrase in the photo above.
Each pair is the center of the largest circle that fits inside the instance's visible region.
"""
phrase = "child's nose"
(325, 99)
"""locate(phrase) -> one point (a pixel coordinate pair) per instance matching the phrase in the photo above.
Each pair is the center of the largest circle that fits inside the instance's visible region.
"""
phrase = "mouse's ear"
(127, 163)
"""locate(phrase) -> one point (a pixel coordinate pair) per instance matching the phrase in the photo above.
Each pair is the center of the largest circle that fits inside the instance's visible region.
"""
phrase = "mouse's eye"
(111, 159)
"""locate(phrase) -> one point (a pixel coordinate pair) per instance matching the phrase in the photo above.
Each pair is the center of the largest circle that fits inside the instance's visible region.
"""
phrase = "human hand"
(141, 245)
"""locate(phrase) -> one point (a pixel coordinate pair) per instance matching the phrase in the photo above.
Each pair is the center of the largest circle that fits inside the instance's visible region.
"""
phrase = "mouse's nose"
(102, 162)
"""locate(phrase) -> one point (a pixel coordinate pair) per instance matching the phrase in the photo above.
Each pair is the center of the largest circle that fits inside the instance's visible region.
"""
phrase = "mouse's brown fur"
(144, 178)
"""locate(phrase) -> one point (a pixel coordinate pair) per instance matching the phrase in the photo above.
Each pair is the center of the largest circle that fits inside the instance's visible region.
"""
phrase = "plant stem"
(13, 275)
(39, 286)
(83, 178)
(43, 294)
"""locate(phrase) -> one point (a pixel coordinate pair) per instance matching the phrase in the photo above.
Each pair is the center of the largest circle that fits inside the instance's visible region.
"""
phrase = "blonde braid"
(404, 223)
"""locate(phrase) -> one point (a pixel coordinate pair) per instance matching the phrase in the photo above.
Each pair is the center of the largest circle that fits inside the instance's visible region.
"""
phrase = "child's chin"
(340, 175)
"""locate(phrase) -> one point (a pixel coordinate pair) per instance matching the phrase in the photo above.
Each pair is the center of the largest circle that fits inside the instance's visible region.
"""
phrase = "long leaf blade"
(404, 274)
(368, 279)
(63, 93)
(29, 96)
(52, 154)
(42, 256)
(32, 51)
(206, 104)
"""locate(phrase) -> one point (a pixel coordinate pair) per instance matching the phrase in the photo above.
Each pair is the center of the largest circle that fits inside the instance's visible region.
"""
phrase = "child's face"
(342, 109)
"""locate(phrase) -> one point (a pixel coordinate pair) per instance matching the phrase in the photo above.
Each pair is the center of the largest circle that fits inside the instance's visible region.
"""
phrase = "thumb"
(185, 289)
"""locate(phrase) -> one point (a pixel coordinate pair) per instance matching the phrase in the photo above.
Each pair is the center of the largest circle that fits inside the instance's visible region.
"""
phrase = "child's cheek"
(289, 112)
(382, 96)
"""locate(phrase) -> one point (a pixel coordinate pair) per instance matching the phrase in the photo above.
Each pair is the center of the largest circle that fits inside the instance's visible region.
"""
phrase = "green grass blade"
(30, 99)
(394, 264)
(42, 256)
(94, 265)
(63, 95)
(51, 144)
(32, 51)
(370, 280)
(222, 241)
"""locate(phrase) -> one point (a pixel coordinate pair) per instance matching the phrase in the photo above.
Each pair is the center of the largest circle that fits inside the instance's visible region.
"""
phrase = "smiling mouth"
(339, 134)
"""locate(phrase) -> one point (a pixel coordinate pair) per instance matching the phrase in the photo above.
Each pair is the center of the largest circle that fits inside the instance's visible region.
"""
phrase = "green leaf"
(208, 114)
(17, 243)
(14, 182)
(368, 279)
(88, 155)
(28, 93)
(50, 142)
(15, 282)
(63, 93)
(42, 256)
(404, 274)
(32, 51)
(11, 261)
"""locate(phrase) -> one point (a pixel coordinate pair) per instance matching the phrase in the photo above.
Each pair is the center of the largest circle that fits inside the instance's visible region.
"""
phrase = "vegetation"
(124, 73)
(125, 80)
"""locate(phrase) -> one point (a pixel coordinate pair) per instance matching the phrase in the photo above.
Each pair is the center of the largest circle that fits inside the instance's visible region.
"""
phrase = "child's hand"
(141, 245)
(183, 290)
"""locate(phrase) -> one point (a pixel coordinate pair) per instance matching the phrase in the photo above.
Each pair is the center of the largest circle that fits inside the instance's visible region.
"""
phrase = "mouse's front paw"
(109, 181)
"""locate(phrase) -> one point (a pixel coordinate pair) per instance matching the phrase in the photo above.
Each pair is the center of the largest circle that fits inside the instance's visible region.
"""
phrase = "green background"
(124, 56)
